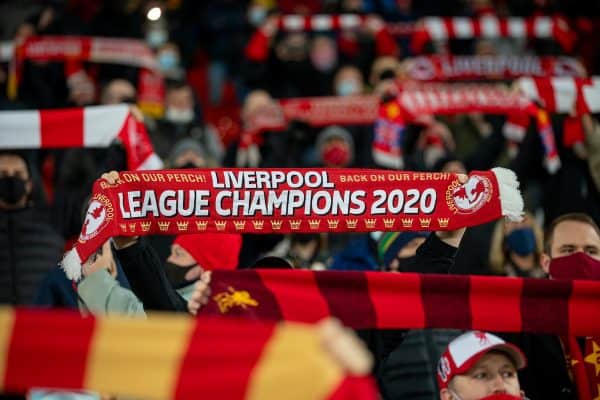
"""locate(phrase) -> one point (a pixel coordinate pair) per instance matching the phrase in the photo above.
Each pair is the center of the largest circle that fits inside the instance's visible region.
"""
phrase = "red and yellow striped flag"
(366, 300)
(170, 357)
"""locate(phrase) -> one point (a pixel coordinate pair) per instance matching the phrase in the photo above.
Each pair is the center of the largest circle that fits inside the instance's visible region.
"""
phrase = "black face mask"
(12, 189)
(176, 274)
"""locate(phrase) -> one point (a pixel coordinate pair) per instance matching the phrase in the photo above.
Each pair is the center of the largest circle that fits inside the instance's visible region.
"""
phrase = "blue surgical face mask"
(256, 15)
(168, 60)
(347, 88)
(521, 241)
(156, 37)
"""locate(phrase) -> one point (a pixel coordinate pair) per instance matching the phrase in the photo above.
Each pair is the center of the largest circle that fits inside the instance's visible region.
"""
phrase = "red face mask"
(502, 396)
(337, 155)
(575, 266)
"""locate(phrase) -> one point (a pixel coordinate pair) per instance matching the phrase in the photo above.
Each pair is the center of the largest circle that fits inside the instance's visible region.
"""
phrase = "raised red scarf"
(408, 300)
(489, 27)
(290, 200)
(315, 111)
(451, 68)
(171, 357)
(561, 95)
(439, 98)
(95, 126)
(257, 48)
(77, 49)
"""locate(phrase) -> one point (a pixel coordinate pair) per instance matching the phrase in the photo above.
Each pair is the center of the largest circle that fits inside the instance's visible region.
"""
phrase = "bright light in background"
(154, 14)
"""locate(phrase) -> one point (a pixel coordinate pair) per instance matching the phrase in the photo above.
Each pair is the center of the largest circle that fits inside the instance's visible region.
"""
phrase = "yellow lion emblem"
(232, 298)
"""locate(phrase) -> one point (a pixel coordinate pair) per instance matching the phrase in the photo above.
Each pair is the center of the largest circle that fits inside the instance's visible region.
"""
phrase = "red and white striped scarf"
(490, 27)
(460, 68)
(76, 49)
(96, 126)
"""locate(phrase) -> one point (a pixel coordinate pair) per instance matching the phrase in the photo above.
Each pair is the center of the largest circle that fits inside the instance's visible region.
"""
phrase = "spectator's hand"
(345, 347)
(201, 293)
(269, 27)
(453, 238)
(102, 259)
(374, 24)
(121, 242)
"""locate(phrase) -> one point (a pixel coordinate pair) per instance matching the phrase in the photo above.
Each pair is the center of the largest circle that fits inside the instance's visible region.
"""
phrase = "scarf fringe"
(510, 195)
(71, 264)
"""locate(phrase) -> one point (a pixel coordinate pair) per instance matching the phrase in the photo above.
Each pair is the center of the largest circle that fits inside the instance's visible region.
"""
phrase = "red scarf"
(171, 357)
(77, 49)
(95, 126)
(257, 48)
(290, 200)
(438, 98)
(562, 95)
(366, 300)
(487, 27)
(316, 111)
(449, 68)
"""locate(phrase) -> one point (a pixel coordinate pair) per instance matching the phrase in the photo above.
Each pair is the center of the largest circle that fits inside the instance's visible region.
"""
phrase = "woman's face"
(494, 373)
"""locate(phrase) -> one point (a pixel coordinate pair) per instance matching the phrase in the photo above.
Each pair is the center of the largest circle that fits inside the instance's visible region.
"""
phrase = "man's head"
(335, 147)
(476, 365)
(179, 103)
(187, 153)
(15, 181)
(348, 81)
(568, 235)
(118, 91)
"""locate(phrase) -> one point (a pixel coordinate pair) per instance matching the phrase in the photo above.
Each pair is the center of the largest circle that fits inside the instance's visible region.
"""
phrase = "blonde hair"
(497, 258)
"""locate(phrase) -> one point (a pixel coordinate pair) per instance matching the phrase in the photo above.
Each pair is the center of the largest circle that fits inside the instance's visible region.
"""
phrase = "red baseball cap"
(463, 353)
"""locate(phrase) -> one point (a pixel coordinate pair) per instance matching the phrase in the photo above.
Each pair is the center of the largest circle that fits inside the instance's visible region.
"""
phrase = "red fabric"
(356, 387)
(63, 338)
(591, 357)
(490, 299)
(576, 362)
(212, 250)
(293, 295)
(385, 44)
(202, 369)
(137, 144)
(560, 30)
(451, 67)
(573, 131)
(257, 48)
(372, 300)
(57, 133)
(297, 200)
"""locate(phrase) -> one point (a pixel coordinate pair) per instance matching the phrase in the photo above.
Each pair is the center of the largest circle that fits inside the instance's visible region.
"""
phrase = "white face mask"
(179, 116)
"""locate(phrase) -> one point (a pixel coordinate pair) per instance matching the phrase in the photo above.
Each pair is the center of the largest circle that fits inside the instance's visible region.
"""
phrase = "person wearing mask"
(181, 121)
(516, 248)
(564, 368)
(335, 147)
(169, 61)
(480, 366)
(29, 246)
(348, 81)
